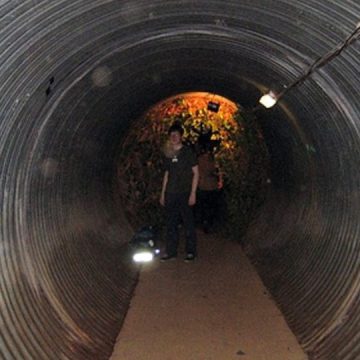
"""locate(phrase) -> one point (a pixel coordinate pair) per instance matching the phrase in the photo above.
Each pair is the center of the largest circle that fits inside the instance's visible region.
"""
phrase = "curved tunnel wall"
(74, 74)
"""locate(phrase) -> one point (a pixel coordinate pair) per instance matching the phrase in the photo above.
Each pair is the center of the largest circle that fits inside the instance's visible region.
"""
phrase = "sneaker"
(189, 257)
(166, 258)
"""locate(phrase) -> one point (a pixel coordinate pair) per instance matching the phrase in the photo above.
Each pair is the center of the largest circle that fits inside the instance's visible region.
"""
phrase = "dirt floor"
(213, 309)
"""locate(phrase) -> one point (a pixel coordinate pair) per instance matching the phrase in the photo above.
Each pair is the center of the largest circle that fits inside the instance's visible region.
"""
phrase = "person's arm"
(220, 178)
(194, 185)
(165, 181)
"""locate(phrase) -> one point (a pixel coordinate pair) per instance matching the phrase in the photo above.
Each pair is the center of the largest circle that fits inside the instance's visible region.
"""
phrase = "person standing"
(208, 189)
(178, 194)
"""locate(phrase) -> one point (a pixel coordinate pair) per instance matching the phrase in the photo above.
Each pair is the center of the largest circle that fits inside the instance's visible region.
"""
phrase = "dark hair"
(176, 127)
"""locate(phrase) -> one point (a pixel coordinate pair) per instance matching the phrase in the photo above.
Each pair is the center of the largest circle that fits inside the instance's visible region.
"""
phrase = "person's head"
(175, 133)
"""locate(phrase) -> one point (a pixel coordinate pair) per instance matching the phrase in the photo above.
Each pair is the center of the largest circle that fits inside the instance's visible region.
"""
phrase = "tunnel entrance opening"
(213, 124)
(58, 142)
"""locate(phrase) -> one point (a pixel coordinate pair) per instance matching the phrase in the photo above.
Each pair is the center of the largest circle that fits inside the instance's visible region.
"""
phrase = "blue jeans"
(177, 208)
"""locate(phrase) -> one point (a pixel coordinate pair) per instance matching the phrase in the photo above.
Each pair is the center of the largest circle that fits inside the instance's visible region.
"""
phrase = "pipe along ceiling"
(74, 75)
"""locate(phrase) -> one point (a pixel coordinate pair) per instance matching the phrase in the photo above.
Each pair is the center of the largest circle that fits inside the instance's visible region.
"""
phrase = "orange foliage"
(192, 109)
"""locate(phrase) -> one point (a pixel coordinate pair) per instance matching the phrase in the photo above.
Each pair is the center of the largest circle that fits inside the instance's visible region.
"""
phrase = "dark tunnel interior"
(74, 76)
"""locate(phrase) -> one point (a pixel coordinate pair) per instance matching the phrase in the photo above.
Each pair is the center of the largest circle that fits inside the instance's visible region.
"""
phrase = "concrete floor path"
(213, 309)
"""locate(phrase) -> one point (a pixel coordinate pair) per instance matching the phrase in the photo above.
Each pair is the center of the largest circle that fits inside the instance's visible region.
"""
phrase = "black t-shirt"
(180, 167)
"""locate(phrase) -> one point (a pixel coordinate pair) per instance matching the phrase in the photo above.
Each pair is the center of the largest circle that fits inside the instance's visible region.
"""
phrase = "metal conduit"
(73, 76)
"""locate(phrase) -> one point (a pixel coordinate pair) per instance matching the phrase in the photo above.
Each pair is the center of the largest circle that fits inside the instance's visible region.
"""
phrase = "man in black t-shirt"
(178, 194)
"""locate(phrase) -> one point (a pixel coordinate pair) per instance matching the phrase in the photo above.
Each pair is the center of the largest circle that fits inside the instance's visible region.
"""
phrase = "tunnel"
(75, 75)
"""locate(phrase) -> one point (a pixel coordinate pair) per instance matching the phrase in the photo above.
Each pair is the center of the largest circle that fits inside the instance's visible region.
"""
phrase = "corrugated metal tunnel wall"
(75, 73)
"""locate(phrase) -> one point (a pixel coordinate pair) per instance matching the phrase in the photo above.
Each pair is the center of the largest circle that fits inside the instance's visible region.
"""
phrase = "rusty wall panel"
(74, 74)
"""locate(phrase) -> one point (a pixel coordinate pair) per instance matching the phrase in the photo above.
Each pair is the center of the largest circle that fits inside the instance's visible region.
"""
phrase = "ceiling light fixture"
(270, 99)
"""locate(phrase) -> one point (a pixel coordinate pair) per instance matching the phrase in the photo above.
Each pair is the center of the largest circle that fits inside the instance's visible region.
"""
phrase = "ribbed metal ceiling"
(75, 74)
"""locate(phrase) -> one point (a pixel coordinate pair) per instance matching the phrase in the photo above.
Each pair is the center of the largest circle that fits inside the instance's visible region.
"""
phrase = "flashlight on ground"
(143, 244)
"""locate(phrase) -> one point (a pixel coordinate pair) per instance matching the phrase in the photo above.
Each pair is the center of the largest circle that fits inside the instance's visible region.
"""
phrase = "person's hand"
(192, 199)
(162, 200)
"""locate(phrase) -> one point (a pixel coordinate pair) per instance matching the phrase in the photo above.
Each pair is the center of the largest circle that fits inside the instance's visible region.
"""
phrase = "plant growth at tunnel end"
(237, 144)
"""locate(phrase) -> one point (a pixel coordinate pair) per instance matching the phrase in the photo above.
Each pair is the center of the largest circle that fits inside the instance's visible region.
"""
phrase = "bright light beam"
(268, 100)
(143, 257)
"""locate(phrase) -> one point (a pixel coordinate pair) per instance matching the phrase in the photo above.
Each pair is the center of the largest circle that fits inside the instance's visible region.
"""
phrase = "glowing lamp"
(268, 100)
(143, 257)
(143, 245)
